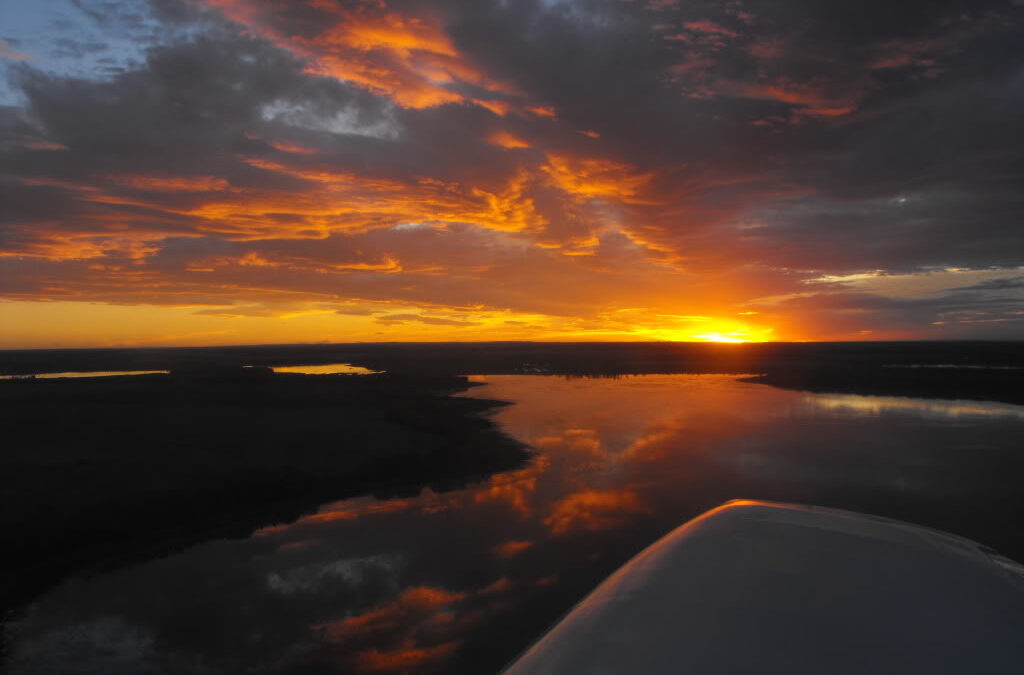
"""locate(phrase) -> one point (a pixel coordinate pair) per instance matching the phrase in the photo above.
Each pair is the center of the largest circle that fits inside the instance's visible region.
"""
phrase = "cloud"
(1003, 284)
(7, 51)
(319, 577)
(592, 510)
(430, 320)
(405, 56)
(511, 548)
(555, 162)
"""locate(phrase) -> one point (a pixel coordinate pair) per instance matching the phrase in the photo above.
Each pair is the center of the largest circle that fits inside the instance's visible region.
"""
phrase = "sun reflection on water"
(326, 369)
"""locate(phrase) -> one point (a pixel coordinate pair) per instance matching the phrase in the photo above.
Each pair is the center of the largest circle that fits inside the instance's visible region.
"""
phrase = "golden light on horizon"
(683, 328)
(719, 337)
(108, 325)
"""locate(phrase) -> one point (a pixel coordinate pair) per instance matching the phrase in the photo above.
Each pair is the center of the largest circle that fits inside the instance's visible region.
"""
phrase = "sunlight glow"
(697, 328)
(719, 337)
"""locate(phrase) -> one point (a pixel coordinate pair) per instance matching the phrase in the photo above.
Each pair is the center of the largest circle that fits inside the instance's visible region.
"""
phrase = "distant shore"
(554, 358)
(1004, 386)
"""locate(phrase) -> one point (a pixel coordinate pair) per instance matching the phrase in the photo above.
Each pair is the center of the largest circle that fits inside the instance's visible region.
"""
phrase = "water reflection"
(460, 582)
(326, 369)
(881, 405)
(99, 373)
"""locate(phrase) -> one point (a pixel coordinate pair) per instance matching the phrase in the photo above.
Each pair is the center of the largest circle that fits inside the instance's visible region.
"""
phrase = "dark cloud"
(846, 102)
(1004, 284)
(69, 48)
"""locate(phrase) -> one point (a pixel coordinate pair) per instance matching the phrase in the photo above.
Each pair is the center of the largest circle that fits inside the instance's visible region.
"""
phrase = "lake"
(327, 369)
(74, 375)
(460, 582)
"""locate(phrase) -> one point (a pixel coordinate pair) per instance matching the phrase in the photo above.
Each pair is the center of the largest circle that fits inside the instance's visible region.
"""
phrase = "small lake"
(327, 369)
(98, 373)
(460, 582)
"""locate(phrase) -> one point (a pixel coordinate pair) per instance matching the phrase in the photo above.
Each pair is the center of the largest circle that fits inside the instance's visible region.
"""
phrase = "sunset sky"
(179, 172)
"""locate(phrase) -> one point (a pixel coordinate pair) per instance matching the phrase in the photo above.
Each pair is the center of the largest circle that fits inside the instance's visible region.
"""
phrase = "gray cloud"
(1004, 284)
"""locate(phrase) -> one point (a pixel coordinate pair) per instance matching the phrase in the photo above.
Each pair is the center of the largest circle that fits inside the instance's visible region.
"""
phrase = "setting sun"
(718, 337)
(686, 328)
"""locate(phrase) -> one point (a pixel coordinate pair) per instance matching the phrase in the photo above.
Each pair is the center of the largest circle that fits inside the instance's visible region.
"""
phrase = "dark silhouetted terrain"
(97, 471)
(974, 370)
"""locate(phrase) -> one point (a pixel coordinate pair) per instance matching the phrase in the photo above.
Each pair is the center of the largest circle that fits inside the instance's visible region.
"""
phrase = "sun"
(702, 328)
(720, 337)
(725, 332)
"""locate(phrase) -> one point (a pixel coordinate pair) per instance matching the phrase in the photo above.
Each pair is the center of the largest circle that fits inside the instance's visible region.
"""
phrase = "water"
(328, 369)
(460, 582)
(98, 373)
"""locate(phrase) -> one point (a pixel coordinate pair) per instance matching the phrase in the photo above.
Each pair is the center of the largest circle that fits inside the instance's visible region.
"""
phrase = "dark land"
(955, 370)
(98, 472)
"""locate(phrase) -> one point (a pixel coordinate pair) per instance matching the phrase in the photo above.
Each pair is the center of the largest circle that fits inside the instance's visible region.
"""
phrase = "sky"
(202, 172)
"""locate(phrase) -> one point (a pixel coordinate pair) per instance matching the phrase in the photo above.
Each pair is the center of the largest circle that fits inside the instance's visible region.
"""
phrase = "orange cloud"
(512, 548)
(594, 510)
(334, 201)
(596, 178)
(408, 58)
(767, 49)
(173, 183)
(390, 636)
(39, 144)
(9, 52)
(404, 658)
(514, 488)
(709, 27)
(347, 511)
(812, 98)
(583, 441)
(293, 148)
(253, 259)
(542, 111)
(412, 604)
(507, 140)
